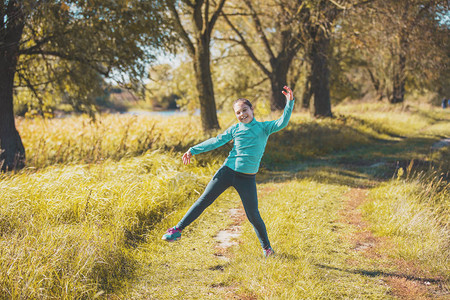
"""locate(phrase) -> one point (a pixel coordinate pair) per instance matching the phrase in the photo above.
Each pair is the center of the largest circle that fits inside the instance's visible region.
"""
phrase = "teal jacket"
(249, 141)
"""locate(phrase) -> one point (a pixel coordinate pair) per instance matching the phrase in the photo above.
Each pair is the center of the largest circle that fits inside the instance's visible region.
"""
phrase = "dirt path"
(228, 237)
(409, 281)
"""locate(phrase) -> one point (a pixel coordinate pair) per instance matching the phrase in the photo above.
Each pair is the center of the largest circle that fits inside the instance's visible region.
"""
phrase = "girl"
(239, 169)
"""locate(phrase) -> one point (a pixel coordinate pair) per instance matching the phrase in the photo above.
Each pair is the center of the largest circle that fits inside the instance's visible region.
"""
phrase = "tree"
(284, 29)
(64, 46)
(195, 34)
(276, 27)
(406, 46)
(406, 18)
(11, 147)
(319, 29)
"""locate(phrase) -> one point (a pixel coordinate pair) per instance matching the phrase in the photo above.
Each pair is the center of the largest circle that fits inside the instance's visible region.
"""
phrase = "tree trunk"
(307, 93)
(398, 89)
(12, 152)
(376, 84)
(398, 84)
(278, 80)
(320, 83)
(204, 84)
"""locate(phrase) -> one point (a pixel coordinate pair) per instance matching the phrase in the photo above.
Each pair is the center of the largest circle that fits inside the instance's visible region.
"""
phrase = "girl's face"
(243, 112)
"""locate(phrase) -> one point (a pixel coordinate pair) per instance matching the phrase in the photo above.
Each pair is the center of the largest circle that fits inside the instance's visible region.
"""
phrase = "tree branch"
(216, 15)
(238, 14)
(338, 5)
(197, 15)
(67, 56)
(188, 3)
(259, 82)
(205, 19)
(180, 30)
(362, 3)
(38, 43)
(247, 48)
(45, 83)
(31, 87)
(259, 29)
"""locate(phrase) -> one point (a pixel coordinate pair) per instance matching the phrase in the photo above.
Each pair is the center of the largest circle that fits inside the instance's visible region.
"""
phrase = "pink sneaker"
(173, 234)
(268, 252)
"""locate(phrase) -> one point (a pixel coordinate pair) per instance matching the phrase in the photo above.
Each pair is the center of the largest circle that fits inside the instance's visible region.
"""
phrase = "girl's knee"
(254, 218)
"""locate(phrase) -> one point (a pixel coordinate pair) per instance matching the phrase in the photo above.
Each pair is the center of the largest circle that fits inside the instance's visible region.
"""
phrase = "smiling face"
(243, 112)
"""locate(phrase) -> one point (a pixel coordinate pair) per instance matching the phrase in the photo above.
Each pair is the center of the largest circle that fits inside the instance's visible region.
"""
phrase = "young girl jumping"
(239, 169)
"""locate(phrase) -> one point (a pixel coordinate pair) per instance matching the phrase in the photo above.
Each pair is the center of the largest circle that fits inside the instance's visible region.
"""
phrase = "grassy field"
(356, 207)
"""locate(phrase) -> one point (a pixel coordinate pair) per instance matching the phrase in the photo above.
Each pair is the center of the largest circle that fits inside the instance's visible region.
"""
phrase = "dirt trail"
(228, 237)
(408, 282)
(442, 143)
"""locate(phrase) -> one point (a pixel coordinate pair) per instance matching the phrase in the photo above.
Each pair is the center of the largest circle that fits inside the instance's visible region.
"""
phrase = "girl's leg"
(218, 184)
(246, 187)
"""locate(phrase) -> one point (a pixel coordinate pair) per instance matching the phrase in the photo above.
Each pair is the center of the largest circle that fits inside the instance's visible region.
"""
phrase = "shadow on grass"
(324, 174)
(377, 273)
(360, 165)
(286, 256)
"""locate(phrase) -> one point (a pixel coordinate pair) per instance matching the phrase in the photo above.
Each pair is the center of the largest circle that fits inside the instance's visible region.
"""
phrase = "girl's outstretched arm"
(276, 125)
(213, 143)
(209, 144)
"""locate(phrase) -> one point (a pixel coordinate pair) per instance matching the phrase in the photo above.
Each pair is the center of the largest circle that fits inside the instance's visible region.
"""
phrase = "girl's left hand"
(288, 93)
(187, 157)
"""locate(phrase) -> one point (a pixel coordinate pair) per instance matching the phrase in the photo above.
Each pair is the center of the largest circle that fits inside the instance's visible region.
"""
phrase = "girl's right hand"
(187, 157)
(288, 93)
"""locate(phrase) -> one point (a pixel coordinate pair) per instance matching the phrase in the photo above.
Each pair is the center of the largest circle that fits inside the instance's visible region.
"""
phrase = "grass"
(414, 212)
(79, 139)
(69, 231)
(84, 220)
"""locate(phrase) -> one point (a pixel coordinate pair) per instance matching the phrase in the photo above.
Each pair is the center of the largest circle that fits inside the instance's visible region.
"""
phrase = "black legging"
(245, 185)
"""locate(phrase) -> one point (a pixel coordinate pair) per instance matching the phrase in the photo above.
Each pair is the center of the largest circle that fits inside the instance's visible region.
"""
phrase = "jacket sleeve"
(214, 142)
(277, 125)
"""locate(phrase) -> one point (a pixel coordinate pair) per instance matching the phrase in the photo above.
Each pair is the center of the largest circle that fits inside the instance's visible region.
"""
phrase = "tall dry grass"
(414, 211)
(79, 139)
(68, 232)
